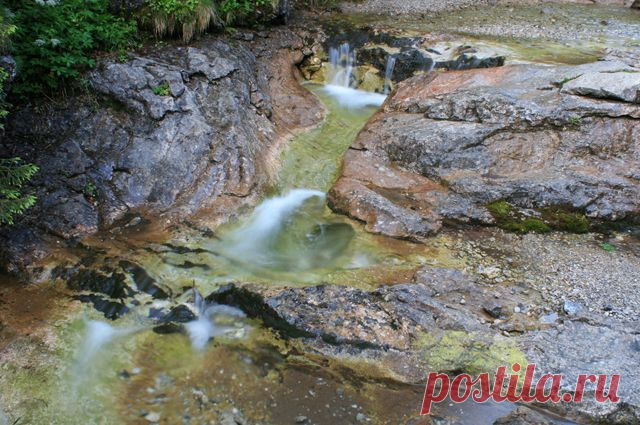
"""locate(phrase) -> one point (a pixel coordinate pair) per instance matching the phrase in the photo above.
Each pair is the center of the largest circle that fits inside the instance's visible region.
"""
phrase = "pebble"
(152, 417)
(301, 419)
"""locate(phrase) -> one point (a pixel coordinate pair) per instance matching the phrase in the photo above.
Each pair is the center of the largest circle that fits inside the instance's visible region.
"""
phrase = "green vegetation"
(565, 80)
(55, 41)
(187, 18)
(182, 17)
(575, 120)
(13, 173)
(90, 190)
(162, 89)
(509, 218)
(568, 221)
(608, 247)
(457, 351)
(242, 10)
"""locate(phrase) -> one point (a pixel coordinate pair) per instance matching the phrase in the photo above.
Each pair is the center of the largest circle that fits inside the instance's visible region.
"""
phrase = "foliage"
(55, 40)
(162, 89)
(240, 10)
(608, 247)
(186, 17)
(575, 120)
(13, 174)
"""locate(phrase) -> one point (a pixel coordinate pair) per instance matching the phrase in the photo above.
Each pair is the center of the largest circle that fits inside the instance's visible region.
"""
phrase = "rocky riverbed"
(481, 217)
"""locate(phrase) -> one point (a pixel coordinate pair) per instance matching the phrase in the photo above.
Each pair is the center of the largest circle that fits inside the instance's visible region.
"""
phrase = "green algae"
(510, 218)
(462, 352)
(312, 160)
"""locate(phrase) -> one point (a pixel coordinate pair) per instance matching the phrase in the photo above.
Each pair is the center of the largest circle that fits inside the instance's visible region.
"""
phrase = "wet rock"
(143, 281)
(467, 61)
(106, 281)
(410, 62)
(112, 310)
(179, 314)
(447, 145)
(523, 416)
(173, 132)
(169, 328)
(255, 306)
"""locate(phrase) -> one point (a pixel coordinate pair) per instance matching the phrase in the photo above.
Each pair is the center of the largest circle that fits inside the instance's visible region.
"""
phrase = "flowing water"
(291, 238)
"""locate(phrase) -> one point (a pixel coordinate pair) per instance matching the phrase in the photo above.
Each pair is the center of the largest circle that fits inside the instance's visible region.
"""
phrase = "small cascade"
(388, 73)
(341, 82)
(213, 320)
(267, 220)
(342, 61)
(288, 233)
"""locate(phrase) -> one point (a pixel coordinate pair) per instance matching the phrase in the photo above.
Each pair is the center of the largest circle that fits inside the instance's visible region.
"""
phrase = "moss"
(570, 221)
(528, 225)
(458, 351)
(508, 218)
(551, 218)
(500, 209)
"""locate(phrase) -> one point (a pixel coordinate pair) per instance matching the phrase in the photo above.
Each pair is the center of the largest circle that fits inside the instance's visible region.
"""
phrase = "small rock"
(152, 417)
(301, 419)
(361, 417)
(572, 308)
(493, 309)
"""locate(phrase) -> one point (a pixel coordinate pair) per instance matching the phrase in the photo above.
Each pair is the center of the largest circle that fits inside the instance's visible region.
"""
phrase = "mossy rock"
(510, 218)
(462, 352)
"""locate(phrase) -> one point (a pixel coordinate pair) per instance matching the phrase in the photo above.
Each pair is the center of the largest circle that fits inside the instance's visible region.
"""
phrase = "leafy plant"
(13, 175)
(575, 120)
(90, 190)
(55, 40)
(240, 10)
(186, 17)
(162, 89)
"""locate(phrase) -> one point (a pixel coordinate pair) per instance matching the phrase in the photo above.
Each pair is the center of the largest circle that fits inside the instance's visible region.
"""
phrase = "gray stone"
(446, 145)
(623, 86)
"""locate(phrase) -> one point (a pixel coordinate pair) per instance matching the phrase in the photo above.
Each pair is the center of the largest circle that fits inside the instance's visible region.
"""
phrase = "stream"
(224, 367)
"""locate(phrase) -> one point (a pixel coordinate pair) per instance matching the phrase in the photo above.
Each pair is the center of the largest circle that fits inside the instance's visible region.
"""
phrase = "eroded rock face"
(401, 333)
(175, 131)
(447, 144)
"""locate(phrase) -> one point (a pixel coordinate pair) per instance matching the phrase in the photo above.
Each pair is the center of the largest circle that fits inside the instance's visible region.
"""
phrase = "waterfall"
(342, 60)
(388, 73)
(259, 242)
(288, 233)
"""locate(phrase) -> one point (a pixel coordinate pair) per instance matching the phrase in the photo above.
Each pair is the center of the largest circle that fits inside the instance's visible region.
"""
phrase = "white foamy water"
(213, 320)
(341, 82)
(352, 98)
(252, 243)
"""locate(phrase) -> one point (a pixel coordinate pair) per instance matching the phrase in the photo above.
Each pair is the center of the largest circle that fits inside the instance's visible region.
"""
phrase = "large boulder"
(445, 146)
(172, 131)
